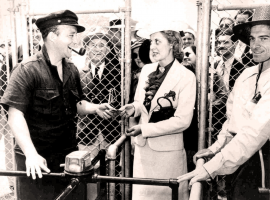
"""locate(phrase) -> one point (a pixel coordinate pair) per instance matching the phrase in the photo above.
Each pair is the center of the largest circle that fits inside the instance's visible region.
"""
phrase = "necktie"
(96, 90)
(161, 69)
(96, 72)
(223, 69)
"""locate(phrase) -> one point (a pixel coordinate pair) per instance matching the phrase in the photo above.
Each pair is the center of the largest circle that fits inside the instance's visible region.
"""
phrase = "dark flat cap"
(63, 17)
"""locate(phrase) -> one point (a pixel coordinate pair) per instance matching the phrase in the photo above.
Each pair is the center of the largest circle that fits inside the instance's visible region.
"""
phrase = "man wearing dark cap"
(43, 96)
(247, 129)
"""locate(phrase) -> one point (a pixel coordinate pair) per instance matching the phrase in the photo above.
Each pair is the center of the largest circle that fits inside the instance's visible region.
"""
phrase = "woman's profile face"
(160, 47)
(189, 56)
(137, 60)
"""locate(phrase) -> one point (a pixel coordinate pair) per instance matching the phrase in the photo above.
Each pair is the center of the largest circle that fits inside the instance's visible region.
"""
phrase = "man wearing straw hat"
(247, 129)
(100, 81)
(43, 97)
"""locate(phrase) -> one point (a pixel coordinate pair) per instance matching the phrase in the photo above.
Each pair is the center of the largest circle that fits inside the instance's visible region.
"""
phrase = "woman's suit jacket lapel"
(171, 79)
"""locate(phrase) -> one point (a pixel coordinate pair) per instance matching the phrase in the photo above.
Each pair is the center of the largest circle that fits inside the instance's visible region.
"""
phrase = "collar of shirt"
(53, 68)
(227, 63)
(100, 71)
(239, 50)
(225, 72)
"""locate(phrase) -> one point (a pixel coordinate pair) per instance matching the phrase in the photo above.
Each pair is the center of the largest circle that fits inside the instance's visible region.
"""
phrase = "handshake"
(106, 111)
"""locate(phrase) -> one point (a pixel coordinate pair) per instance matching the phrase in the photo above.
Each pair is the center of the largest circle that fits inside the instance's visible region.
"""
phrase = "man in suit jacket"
(99, 79)
(242, 51)
(227, 71)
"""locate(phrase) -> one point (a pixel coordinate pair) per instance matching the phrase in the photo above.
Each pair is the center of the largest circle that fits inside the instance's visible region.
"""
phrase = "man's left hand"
(134, 131)
(197, 175)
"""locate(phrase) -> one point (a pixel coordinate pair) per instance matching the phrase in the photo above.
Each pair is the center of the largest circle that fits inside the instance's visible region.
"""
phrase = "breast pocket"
(74, 99)
(45, 100)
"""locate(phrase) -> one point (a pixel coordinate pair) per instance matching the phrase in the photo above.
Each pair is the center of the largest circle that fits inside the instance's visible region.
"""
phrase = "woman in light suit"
(159, 148)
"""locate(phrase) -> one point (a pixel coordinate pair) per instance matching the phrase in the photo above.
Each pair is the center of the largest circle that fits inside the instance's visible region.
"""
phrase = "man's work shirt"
(249, 122)
(48, 104)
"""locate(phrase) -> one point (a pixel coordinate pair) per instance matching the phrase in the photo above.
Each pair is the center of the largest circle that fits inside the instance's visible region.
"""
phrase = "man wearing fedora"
(43, 96)
(101, 83)
(247, 129)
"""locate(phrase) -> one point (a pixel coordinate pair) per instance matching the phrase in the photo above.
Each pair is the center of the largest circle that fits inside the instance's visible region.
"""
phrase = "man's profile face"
(225, 45)
(241, 18)
(188, 40)
(67, 37)
(97, 50)
(260, 42)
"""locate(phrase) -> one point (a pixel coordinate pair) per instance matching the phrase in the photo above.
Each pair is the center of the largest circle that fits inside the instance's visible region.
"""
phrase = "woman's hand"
(134, 131)
(127, 110)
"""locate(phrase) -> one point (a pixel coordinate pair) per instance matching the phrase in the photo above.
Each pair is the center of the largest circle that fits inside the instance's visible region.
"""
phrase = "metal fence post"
(127, 92)
(198, 59)
(13, 33)
(25, 42)
(204, 71)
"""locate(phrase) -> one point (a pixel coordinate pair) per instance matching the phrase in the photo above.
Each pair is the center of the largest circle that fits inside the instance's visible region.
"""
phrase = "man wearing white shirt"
(247, 129)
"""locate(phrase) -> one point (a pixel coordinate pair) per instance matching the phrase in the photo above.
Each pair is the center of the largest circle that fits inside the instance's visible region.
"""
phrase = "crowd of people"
(46, 92)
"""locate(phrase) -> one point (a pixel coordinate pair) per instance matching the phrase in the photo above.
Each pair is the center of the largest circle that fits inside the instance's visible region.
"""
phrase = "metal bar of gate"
(198, 55)
(115, 10)
(204, 72)
(127, 92)
(222, 7)
(123, 47)
(25, 42)
(13, 33)
(203, 32)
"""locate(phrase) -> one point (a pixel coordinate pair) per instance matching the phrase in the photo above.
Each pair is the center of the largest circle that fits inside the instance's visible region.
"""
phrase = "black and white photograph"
(135, 100)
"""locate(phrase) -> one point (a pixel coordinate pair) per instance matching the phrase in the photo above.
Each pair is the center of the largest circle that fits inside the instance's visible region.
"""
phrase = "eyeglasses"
(222, 26)
(134, 55)
(187, 54)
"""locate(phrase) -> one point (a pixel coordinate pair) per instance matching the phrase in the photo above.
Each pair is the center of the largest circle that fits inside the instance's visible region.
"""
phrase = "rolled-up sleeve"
(252, 136)
(18, 93)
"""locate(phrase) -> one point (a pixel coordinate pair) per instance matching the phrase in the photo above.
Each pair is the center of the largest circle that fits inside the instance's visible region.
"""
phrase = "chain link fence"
(7, 184)
(104, 86)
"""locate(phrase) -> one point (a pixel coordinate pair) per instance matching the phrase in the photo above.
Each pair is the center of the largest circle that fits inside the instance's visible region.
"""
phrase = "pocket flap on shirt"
(75, 93)
(47, 94)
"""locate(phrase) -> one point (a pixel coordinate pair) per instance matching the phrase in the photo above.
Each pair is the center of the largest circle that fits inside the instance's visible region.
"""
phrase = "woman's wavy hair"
(175, 39)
